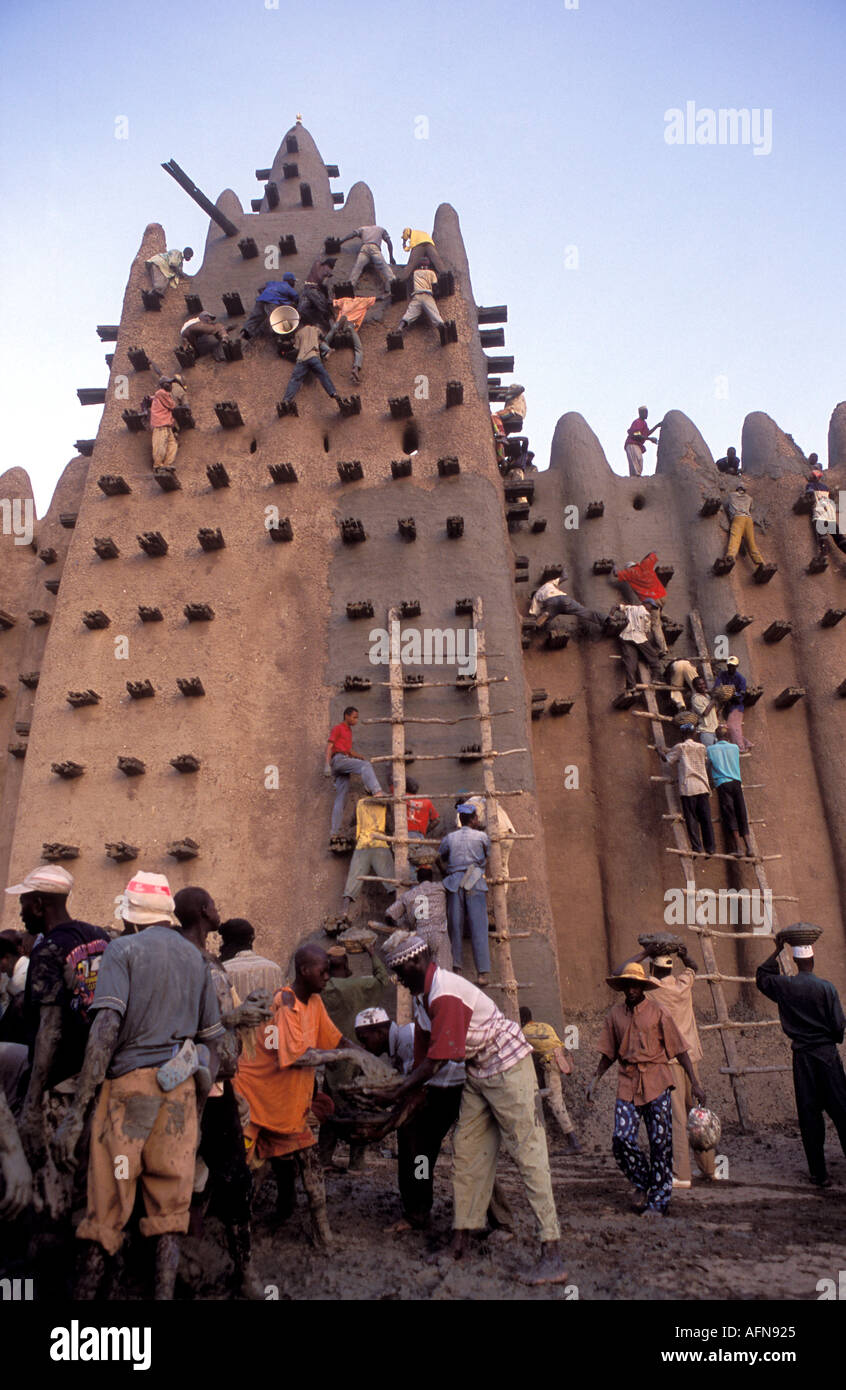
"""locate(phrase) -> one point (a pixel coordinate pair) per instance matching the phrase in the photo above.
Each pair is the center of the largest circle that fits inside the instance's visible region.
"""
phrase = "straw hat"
(633, 974)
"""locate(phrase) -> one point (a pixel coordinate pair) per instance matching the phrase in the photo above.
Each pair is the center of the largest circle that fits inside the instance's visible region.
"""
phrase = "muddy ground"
(764, 1233)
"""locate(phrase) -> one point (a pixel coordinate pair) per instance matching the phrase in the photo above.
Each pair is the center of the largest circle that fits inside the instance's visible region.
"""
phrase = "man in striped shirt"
(499, 1104)
(246, 969)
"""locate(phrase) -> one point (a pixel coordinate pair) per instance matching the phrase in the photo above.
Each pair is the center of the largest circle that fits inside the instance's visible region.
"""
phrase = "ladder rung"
(750, 1023)
(678, 817)
(419, 719)
(741, 859)
(731, 979)
(453, 796)
(380, 878)
(494, 839)
(734, 935)
(440, 757)
(490, 680)
(750, 1071)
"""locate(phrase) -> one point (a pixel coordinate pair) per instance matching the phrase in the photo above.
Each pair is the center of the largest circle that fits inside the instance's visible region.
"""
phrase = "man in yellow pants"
(738, 507)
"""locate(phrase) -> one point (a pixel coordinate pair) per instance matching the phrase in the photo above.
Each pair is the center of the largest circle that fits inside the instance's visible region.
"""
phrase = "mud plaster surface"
(763, 1234)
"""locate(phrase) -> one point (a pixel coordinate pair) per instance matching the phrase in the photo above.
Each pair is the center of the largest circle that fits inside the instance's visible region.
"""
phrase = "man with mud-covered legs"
(154, 998)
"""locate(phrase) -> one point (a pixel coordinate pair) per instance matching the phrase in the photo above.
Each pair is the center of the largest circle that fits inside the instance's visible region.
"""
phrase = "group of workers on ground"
(312, 320)
(149, 1062)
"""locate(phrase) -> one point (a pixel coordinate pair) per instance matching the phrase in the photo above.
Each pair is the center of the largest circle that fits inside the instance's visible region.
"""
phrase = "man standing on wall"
(638, 436)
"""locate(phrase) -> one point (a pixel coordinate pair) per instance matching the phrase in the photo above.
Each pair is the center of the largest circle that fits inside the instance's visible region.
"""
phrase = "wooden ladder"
(502, 936)
(714, 977)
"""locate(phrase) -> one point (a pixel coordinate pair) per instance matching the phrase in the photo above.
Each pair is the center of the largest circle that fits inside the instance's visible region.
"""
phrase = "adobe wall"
(274, 658)
(24, 592)
(608, 869)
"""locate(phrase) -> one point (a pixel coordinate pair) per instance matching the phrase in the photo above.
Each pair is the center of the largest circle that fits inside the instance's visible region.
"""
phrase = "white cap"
(368, 1018)
(146, 899)
(47, 878)
(803, 953)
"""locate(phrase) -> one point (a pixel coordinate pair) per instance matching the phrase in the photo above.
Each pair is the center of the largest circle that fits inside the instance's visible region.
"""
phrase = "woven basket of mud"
(354, 938)
(801, 934)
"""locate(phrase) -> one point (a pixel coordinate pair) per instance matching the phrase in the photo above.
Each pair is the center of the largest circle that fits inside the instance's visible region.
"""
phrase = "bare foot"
(397, 1228)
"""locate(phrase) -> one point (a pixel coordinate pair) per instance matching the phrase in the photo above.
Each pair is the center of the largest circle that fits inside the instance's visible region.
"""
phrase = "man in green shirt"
(345, 996)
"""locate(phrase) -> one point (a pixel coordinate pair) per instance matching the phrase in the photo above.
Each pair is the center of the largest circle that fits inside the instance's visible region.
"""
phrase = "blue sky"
(708, 279)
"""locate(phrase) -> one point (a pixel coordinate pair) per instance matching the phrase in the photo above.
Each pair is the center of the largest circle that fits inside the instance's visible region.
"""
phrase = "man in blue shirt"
(154, 997)
(269, 297)
(462, 857)
(724, 767)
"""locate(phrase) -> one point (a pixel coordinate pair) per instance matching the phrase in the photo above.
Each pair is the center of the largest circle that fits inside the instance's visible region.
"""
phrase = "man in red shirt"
(644, 586)
(342, 762)
(639, 435)
(422, 817)
(171, 393)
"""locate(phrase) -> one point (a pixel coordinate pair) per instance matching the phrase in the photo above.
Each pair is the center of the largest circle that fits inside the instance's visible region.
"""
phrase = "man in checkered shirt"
(499, 1104)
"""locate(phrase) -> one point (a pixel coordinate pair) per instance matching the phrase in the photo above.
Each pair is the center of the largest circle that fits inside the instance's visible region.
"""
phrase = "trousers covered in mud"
(140, 1133)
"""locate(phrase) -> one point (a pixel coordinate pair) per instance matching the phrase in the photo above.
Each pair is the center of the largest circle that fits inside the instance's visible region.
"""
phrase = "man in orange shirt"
(675, 996)
(643, 1039)
(350, 316)
(278, 1086)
